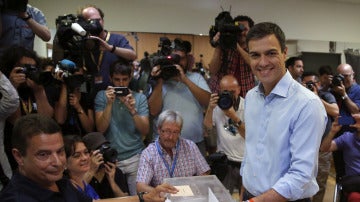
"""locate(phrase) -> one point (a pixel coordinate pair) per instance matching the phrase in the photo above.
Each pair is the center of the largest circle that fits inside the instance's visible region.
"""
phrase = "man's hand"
(214, 98)
(158, 194)
(340, 90)
(182, 75)
(104, 46)
(17, 77)
(110, 94)
(156, 71)
(74, 100)
(129, 102)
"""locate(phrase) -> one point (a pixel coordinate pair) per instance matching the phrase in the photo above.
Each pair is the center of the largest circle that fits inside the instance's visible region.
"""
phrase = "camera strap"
(171, 172)
(101, 56)
(26, 105)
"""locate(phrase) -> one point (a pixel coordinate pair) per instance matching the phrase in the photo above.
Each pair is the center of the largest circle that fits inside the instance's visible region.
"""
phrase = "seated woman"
(348, 143)
(78, 164)
(107, 179)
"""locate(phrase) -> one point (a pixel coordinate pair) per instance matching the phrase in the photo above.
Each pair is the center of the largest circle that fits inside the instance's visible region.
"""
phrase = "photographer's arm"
(243, 54)
(215, 62)
(124, 53)
(155, 100)
(328, 144)
(331, 108)
(60, 106)
(208, 118)
(201, 95)
(42, 103)
(41, 31)
(351, 106)
(102, 118)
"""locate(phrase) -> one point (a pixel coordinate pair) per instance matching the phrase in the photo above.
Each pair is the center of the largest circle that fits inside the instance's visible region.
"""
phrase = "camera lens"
(225, 100)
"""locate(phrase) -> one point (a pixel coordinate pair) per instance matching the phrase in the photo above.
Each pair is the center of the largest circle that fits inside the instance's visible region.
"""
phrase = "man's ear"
(18, 157)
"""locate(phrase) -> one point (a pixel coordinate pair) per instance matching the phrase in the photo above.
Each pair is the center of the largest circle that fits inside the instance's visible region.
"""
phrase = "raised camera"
(310, 85)
(109, 154)
(225, 100)
(121, 91)
(337, 80)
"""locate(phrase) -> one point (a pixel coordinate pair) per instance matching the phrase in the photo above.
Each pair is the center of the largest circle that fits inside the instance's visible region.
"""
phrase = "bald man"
(112, 47)
(227, 124)
(347, 93)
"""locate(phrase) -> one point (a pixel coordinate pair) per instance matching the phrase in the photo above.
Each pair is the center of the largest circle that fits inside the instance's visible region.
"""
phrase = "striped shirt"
(189, 162)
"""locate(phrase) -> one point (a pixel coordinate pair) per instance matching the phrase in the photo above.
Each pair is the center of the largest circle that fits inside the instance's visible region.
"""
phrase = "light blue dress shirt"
(283, 134)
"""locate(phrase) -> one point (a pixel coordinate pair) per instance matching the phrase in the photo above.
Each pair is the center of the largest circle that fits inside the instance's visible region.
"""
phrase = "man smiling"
(284, 124)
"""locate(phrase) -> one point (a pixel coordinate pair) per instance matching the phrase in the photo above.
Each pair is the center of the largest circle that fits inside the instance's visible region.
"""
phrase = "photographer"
(107, 179)
(122, 116)
(233, 61)
(20, 65)
(183, 91)
(112, 47)
(347, 93)
(225, 114)
(18, 16)
(74, 110)
(311, 81)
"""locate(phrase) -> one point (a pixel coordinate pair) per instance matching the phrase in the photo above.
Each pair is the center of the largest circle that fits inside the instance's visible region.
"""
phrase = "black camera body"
(121, 91)
(34, 73)
(109, 154)
(71, 79)
(225, 100)
(73, 43)
(167, 65)
(229, 31)
(337, 80)
(310, 85)
(13, 5)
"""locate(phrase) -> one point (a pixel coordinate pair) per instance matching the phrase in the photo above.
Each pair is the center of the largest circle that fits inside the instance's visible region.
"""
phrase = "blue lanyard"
(171, 172)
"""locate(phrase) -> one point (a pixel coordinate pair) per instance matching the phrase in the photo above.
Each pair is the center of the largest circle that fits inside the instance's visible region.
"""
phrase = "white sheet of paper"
(212, 197)
(184, 190)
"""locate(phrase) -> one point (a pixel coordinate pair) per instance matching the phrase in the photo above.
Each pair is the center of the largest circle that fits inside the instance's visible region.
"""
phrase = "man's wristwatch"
(141, 196)
(28, 17)
(344, 97)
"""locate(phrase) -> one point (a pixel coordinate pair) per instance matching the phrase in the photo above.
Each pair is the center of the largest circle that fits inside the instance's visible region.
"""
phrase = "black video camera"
(109, 154)
(225, 100)
(229, 31)
(73, 35)
(337, 80)
(167, 65)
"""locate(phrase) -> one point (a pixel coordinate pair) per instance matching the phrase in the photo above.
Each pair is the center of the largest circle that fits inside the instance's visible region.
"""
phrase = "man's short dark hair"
(325, 69)
(244, 18)
(29, 126)
(263, 29)
(122, 67)
(291, 61)
(309, 73)
(180, 45)
(13, 55)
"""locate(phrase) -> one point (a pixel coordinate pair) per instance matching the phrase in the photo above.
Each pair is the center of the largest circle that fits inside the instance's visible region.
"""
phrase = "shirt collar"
(281, 88)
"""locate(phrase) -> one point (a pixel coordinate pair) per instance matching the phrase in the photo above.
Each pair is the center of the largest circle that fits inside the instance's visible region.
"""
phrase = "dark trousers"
(247, 195)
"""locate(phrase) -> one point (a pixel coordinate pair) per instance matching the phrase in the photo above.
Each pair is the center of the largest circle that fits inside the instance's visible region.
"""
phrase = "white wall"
(320, 20)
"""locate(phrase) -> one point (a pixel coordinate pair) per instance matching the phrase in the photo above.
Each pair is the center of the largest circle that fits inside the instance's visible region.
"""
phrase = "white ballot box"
(198, 188)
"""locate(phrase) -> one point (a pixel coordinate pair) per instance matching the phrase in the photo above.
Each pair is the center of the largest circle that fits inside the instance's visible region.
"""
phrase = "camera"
(310, 85)
(71, 79)
(109, 154)
(73, 35)
(13, 5)
(34, 73)
(167, 65)
(229, 31)
(225, 100)
(121, 91)
(337, 80)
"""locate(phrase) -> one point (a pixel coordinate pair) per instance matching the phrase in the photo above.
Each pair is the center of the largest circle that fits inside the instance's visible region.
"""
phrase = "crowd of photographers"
(89, 90)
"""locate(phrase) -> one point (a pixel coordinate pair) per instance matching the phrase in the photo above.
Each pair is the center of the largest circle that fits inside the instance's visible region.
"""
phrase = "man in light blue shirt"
(284, 123)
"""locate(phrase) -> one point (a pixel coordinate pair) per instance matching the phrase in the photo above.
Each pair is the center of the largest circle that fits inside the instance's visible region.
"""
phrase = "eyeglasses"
(169, 132)
(230, 126)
